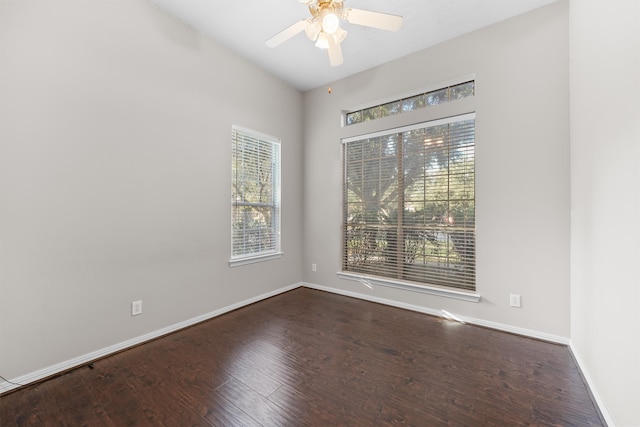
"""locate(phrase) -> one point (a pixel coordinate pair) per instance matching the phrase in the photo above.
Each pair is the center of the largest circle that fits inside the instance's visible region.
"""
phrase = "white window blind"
(409, 203)
(255, 199)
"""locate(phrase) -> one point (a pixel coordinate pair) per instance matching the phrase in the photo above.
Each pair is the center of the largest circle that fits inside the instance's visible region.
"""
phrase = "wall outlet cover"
(136, 307)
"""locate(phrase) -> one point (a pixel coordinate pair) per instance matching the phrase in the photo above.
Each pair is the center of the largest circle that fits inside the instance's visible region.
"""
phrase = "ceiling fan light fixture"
(313, 30)
(330, 23)
(340, 35)
(323, 41)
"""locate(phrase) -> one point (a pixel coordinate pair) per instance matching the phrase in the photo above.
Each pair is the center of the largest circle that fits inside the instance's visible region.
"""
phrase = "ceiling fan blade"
(335, 52)
(368, 18)
(287, 33)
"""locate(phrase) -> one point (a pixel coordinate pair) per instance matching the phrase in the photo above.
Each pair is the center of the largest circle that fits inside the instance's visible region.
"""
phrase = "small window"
(412, 103)
(255, 196)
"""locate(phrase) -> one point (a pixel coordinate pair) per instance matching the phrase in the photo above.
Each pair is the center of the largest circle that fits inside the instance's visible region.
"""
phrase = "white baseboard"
(479, 322)
(31, 377)
(592, 387)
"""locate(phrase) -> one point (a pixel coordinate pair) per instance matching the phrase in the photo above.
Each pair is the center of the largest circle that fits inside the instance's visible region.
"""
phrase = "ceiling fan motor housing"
(320, 7)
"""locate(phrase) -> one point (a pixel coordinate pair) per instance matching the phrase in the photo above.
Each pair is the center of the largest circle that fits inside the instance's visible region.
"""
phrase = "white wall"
(115, 126)
(522, 167)
(605, 200)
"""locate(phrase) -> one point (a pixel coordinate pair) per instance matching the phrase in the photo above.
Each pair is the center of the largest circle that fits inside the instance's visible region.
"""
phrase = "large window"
(409, 203)
(255, 198)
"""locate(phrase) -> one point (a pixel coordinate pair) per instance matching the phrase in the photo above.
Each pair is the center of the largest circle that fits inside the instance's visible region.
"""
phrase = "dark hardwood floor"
(308, 357)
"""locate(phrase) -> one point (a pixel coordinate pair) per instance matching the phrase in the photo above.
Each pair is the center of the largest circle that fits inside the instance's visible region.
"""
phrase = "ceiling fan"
(324, 25)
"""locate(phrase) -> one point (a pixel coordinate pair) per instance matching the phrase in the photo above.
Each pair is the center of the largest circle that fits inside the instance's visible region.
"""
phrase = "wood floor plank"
(32, 406)
(308, 357)
(118, 398)
(225, 414)
(255, 405)
(139, 392)
(247, 374)
(80, 404)
(309, 411)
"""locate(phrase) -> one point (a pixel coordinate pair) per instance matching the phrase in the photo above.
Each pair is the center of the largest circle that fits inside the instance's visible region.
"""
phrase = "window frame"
(260, 140)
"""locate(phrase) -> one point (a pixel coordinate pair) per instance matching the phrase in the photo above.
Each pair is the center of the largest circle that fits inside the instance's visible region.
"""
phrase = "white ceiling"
(244, 25)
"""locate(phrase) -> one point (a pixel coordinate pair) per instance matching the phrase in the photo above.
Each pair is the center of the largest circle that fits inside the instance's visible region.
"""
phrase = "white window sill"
(237, 262)
(407, 286)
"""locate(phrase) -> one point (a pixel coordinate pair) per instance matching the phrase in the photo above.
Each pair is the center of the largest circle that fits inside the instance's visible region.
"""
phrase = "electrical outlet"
(136, 307)
(314, 268)
(514, 300)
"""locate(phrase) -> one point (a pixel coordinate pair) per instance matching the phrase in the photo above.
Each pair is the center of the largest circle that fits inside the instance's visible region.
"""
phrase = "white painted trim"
(413, 126)
(106, 351)
(479, 322)
(531, 333)
(384, 301)
(592, 386)
(424, 289)
(236, 262)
